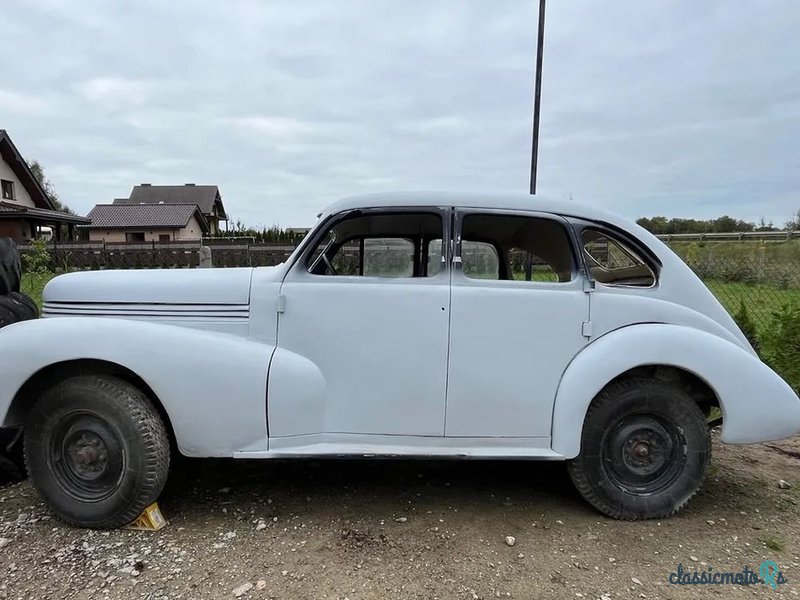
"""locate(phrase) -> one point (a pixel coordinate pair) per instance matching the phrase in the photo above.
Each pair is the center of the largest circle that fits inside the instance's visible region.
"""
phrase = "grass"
(774, 543)
(33, 285)
(773, 252)
(760, 299)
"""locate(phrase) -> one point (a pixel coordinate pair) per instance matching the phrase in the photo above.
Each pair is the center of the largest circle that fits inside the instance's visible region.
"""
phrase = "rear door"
(517, 311)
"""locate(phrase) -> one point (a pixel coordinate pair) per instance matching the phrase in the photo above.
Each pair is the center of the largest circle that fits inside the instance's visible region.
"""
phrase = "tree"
(723, 224)
(794, 223)
(47, 185)
(764, 226)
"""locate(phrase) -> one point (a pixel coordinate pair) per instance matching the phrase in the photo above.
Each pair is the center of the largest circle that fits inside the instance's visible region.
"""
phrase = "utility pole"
(537, 98)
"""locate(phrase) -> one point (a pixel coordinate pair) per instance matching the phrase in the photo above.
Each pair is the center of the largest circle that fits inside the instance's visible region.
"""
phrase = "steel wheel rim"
(86, 456)
(643, 453)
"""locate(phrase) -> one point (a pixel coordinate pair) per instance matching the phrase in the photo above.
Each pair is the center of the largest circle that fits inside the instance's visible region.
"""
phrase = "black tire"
(645, 450)
(10, 273)
(31, 311)
(15, 307)
(97, 450)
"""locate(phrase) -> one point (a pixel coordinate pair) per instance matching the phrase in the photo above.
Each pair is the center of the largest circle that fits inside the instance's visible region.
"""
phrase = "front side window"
(612, 262)
(399, 245)
(515, 247)
(388, 257)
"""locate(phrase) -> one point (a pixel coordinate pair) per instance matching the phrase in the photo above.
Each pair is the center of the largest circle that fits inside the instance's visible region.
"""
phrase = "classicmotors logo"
(768, 573)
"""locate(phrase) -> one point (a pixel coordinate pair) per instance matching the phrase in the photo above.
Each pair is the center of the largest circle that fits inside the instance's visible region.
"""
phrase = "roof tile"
(110, 216)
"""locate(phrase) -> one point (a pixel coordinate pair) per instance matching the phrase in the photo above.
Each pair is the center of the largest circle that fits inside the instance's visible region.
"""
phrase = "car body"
(424, 324)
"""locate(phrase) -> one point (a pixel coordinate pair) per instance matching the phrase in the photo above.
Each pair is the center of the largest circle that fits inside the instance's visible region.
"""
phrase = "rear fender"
(757, 405)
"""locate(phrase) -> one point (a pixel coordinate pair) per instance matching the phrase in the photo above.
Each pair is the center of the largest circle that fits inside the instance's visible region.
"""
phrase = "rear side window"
(515, 247)
(613, 262)
(480, 260)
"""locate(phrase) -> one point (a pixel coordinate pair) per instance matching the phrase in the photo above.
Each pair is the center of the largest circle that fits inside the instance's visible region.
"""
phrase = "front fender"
(757, 405)
(212, 385)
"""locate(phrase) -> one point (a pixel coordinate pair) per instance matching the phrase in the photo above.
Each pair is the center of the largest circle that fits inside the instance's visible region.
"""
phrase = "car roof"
(487, 200)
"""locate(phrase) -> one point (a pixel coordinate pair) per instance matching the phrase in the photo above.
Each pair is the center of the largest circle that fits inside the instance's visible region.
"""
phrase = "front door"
(368, 306)
(518, 307)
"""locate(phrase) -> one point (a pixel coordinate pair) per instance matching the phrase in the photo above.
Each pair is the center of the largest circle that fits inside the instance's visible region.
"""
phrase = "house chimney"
(188, 184)
(145, 184)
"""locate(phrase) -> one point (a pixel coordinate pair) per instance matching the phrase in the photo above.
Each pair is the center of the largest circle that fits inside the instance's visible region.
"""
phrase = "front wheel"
(97, 450)
(645, 449)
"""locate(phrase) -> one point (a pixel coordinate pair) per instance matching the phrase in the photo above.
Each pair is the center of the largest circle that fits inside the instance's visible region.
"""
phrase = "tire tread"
(149, 426)
(580, 477)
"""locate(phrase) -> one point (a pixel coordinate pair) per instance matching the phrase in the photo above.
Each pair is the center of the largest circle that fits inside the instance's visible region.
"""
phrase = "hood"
(210, 299)
(152, 286)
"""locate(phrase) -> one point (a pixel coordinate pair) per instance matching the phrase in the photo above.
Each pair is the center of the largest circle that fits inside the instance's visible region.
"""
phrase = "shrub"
(37, 258)
(745, 323)
(781, 343)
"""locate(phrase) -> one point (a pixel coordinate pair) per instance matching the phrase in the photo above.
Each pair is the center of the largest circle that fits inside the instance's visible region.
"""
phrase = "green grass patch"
(785, 252)
(773, 543)
(760, 299)
(33, 284)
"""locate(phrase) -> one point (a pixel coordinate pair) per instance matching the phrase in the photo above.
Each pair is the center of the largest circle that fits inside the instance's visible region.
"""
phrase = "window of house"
(514, 247)
(380, 245)
(134, 236)
(7, 188)
(163, 237)
(612, 262)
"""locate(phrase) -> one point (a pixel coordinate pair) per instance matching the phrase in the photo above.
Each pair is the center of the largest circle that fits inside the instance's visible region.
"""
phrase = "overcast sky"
(681, 108)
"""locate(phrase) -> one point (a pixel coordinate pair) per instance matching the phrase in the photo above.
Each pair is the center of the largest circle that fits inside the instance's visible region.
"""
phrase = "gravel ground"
(409, 529)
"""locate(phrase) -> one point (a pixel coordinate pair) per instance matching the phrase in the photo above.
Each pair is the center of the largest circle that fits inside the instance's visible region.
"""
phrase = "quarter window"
(613, 262)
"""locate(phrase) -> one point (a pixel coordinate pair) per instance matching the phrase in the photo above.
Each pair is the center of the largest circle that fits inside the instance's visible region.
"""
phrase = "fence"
(759, 283)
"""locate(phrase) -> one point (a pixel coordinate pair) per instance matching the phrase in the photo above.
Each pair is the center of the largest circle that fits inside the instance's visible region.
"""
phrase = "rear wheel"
(645, 449)
(97, 451)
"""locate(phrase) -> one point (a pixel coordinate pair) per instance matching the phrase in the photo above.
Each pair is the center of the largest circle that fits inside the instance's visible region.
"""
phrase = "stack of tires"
(14, 307)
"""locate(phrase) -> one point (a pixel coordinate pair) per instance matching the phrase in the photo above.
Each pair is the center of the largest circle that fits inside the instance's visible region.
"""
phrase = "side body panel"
(757, 405)
(509, 342)
(211, 385)
(369, 356)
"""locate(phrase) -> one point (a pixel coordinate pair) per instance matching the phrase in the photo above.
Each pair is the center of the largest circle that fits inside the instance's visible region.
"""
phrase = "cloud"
(21, 103)
(676, 108)
(116, 90)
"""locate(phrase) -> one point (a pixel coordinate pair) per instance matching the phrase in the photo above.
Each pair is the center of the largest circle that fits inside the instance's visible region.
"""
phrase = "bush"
(745, 323)
(781, 343)
(37, 258)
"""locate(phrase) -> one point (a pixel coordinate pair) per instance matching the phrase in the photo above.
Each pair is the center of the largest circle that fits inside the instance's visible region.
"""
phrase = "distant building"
(206, 197)
(26, 212)
(146, 223)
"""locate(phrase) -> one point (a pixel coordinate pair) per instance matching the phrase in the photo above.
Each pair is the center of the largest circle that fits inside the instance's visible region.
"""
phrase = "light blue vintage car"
(428, 324)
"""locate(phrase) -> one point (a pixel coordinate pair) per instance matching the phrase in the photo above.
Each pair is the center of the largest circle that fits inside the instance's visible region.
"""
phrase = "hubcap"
(643, 453)
(87, 456)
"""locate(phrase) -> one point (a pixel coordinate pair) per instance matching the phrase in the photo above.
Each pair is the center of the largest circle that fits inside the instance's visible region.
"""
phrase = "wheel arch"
(717, 372)
(694, 385)
(54, 373)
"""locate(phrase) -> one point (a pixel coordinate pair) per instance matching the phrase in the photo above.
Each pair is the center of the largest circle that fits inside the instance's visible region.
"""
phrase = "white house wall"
(21, 195)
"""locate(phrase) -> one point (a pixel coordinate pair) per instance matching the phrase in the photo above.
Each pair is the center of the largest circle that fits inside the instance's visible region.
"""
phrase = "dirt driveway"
(409, 529)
